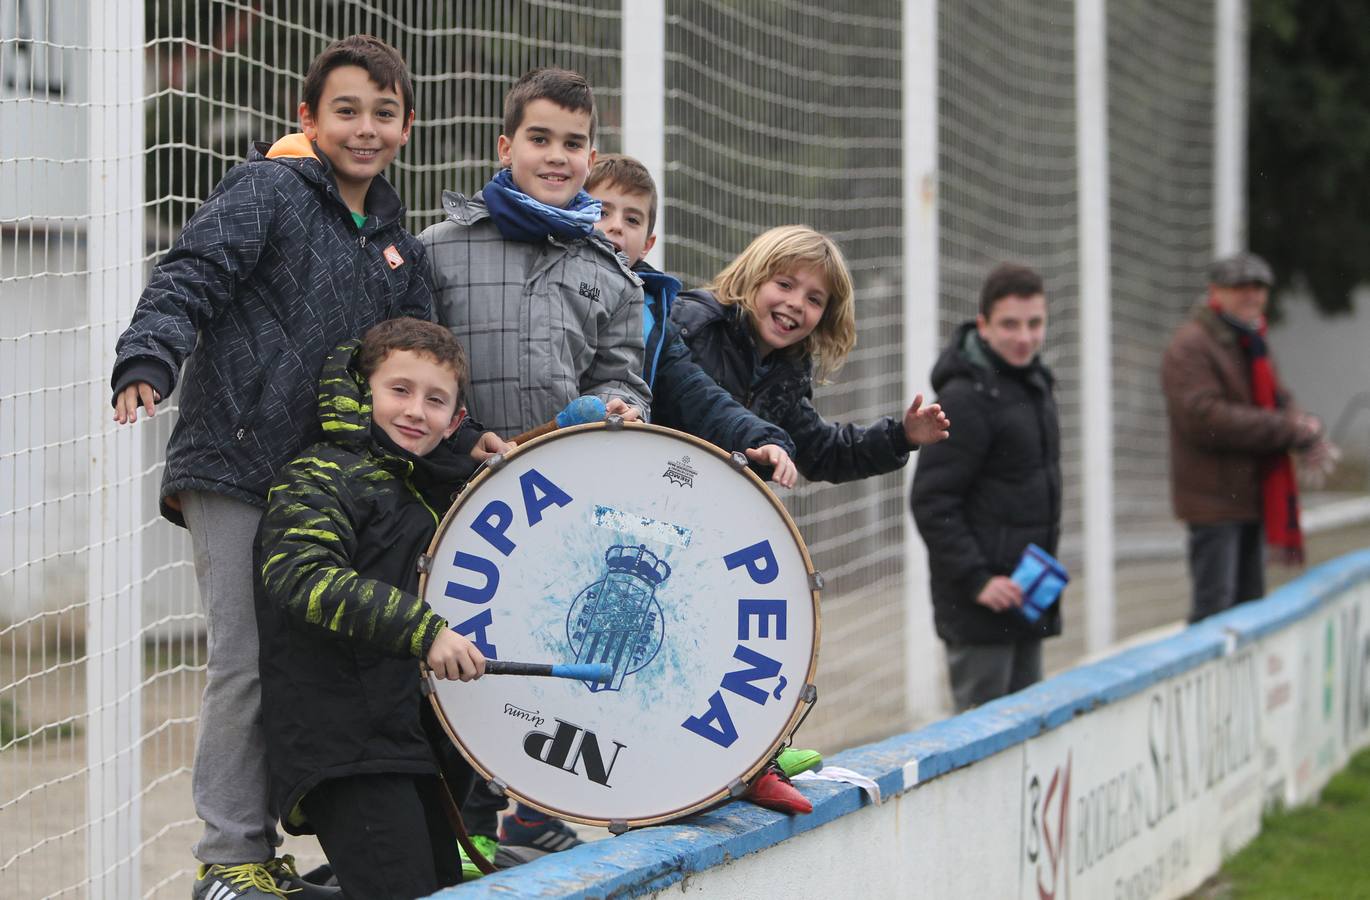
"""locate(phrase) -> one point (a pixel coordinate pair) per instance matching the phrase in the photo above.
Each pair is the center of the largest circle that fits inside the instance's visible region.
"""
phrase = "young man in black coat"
(980, 497)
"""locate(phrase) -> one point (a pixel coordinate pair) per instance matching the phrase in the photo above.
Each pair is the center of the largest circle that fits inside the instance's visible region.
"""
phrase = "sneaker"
(487, 846)
(508, 857)
(548, 834)
(247, 881)
(289, 879)
(774, 791)
(792, 761)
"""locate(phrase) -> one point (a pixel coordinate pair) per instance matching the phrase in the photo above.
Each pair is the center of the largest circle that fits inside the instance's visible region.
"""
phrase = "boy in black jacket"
(994, 487)
(342, 628)
(297, 249)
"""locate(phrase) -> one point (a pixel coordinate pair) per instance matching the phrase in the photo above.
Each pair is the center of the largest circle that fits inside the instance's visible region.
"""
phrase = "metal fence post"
(644, 99)
(114, 240)
(1229, 127)
(923, 653)
(1096, 302)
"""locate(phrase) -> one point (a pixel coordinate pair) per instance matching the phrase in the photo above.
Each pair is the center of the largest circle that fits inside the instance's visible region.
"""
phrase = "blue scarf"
(521, 218)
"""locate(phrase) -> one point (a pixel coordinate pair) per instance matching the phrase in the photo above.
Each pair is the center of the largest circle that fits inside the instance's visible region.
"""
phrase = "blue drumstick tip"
(584, 671)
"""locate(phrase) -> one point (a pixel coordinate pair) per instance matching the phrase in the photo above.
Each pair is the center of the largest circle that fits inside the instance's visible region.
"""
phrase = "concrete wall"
(1130, 778)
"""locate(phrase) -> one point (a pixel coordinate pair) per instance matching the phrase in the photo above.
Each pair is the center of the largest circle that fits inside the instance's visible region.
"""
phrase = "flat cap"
(1241, 268)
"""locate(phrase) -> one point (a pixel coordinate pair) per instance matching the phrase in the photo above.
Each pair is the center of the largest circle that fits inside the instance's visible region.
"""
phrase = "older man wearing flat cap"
(1232, 428)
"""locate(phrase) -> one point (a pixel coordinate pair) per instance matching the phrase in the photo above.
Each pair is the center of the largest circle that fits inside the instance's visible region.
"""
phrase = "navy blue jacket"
(720, 338)
(268, 276)
(981, 496)
(684, 397)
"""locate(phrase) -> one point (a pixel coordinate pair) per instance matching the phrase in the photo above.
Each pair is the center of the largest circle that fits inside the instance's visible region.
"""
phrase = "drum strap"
(454, 817)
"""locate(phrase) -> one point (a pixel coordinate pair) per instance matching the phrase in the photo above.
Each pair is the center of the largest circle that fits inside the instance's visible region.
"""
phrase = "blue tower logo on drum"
(617, 619)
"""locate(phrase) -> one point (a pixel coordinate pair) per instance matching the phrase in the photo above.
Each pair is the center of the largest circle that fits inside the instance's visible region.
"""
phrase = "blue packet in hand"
(1042, 579)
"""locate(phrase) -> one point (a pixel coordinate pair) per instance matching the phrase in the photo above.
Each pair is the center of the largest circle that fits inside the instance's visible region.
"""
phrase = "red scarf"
(1279, 490)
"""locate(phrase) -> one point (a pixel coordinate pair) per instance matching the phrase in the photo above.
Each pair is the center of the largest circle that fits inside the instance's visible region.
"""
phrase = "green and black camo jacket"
(341, 624)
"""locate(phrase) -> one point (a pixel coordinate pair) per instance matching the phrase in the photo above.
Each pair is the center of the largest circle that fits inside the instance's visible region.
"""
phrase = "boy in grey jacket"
(544, 306)
(546, 309)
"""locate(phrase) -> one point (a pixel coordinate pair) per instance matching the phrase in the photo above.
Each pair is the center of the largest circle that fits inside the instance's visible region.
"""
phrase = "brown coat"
(1218, 435)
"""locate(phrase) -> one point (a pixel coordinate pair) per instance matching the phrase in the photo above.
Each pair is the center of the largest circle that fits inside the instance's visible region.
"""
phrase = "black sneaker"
(547, 834)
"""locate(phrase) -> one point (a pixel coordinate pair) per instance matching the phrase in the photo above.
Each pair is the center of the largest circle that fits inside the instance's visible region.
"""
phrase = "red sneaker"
(774, 791)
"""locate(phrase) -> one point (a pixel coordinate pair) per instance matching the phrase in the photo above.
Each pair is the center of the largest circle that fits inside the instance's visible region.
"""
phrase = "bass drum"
(658, 554)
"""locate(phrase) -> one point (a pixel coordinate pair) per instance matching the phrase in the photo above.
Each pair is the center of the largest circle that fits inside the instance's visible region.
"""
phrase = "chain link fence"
(117, 119)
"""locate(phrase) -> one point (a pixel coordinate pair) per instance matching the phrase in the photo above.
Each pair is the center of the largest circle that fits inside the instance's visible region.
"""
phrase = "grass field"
(1313, 852)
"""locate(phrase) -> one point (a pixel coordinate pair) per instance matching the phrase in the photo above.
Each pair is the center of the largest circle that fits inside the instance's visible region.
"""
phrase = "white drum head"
(647, 549)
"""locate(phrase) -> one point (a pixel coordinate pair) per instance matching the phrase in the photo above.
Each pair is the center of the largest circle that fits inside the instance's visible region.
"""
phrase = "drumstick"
(578, 412)
(574, 671)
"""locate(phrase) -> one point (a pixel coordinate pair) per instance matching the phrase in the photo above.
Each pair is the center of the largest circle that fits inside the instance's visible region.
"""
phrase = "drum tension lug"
(425, 564)
(617, 826)
(614, 423)
(736, 788)
(816, 582)
(737, 461)
(496, 462)
(498, 787)
(809, 694)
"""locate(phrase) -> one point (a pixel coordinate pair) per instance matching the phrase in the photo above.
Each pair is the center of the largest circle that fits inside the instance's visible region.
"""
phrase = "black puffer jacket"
(341, 627)
(720, 338)
(268, 276)
(993, 487)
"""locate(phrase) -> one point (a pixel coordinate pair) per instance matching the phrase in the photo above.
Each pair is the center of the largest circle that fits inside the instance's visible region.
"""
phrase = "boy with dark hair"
(993, 487)
(298, 248)
(683, 394)
(542, 303)
(342, 628)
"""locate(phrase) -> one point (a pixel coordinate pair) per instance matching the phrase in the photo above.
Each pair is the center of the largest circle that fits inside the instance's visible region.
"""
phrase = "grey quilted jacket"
(542, 323)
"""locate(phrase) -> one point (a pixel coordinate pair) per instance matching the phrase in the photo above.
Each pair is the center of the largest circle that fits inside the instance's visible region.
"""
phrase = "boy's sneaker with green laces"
(246, 881)
(487, 846)
(792, 761)
(289, 879)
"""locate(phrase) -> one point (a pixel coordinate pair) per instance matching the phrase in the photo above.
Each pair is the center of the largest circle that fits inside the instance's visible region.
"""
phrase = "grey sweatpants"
(984, 672)
(229, 782)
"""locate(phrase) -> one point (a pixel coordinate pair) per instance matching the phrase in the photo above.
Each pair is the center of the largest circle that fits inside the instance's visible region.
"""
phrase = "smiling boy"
(543, 304)
(296, 250)
(994, 487)
(683, 394)
(342, 626)
(541, 301)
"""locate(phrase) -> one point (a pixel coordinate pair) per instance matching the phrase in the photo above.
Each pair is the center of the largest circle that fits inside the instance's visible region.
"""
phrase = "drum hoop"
(786, 730)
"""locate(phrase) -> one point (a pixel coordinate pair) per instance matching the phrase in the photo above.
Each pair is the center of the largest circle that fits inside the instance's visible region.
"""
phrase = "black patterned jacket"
(341, 625)
(721, 340)
(268, 276)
